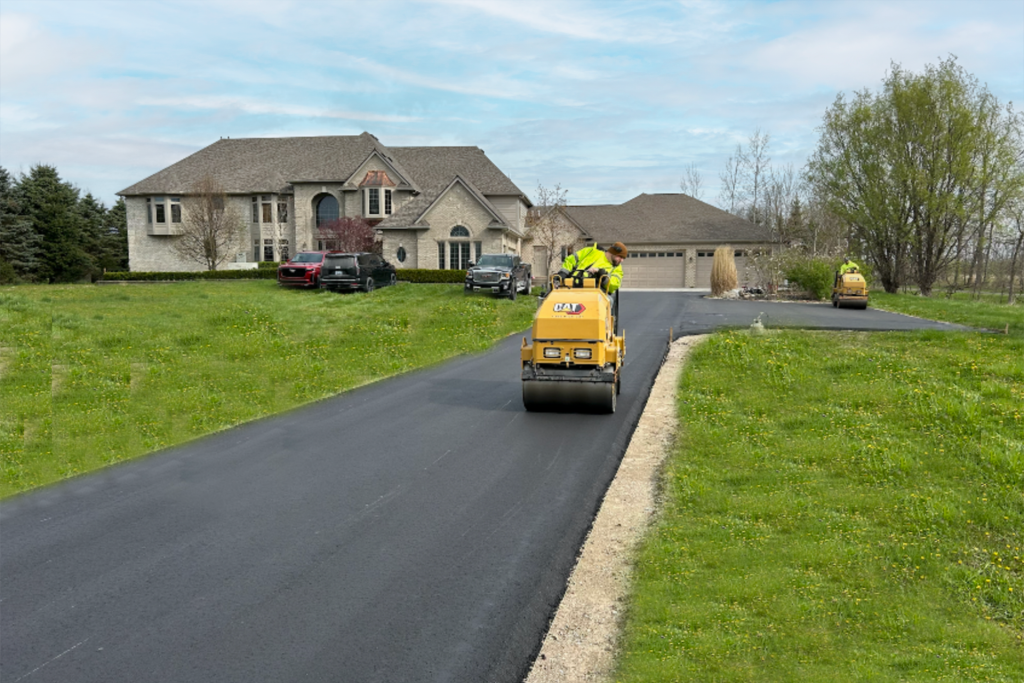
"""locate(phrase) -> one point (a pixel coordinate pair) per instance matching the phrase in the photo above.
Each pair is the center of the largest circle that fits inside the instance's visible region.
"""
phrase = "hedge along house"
(671, 239)
(433, 207)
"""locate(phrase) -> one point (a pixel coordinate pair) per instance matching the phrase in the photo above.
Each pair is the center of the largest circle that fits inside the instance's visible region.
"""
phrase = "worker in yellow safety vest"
(848, 266)
(593, 259)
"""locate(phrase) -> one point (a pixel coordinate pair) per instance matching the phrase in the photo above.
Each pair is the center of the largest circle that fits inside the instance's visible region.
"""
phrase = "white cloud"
(265, 106)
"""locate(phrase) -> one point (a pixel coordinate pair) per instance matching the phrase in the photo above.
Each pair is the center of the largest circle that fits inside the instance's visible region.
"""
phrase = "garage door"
(705, 259)
(654, 270)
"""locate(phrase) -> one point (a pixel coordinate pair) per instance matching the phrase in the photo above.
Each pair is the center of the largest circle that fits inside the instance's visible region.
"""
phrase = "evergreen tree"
(20, 245)
(94, 227)
(51, 206)
(116, 253)
(105, 239)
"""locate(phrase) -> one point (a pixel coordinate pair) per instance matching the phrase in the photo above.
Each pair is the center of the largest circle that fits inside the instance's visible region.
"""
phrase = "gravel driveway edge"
(581, 640)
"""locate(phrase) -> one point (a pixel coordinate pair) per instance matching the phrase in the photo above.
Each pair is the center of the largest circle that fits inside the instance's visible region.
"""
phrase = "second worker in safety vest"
(592, 259)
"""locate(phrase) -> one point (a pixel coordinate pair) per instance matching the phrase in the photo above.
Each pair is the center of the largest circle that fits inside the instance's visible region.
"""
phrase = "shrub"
(135, 276)
(815, 275)
(723, 271)
(426, 275)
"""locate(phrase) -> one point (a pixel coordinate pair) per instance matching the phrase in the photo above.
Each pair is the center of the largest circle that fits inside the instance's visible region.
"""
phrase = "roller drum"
(575, 397)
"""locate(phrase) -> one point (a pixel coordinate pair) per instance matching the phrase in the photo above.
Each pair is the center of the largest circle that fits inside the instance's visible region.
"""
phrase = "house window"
(459, 231)
(255, 210)
(387, 202)
(255, 250)
(458, 255)
(161, 211)
(282, 212)
(400, 255)
(326, 210)
(440, 255)
(284, 250)
(373, 198)
(268, 250)
(149, 210)
(175, 209)
(479, 249)
(268, 215)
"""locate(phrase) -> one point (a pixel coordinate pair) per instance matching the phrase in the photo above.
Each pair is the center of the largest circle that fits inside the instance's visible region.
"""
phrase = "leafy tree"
(350, 234)
(51, 206)
(20, 245)
(918, 170)
(210, 227)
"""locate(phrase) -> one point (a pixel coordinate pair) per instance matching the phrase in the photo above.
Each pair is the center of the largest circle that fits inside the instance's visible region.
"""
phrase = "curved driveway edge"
(581, 640)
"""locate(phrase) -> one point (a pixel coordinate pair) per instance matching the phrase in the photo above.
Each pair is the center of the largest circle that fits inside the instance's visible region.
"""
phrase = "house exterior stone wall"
(148, 252)
(402, 239)
(457, 207)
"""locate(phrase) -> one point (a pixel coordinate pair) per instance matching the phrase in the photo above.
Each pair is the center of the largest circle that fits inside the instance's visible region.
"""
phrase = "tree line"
(50, 232)
(923, 180)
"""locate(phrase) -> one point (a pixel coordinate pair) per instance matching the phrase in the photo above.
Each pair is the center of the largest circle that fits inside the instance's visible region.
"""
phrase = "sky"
(605, 99)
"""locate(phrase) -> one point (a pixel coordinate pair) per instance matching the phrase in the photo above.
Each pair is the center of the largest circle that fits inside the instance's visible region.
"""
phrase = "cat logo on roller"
(570, 308)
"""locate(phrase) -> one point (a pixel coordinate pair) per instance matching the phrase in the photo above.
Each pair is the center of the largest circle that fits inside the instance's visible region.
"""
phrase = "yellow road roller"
(850, 290)
(574, 363)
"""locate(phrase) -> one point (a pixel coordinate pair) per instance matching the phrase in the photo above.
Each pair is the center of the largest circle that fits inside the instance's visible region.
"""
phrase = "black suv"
(365, 271)
(501, 274)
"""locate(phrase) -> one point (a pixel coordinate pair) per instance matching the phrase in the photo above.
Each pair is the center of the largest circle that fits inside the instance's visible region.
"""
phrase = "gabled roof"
(412, 213)
(272, 165)
(404, 182)
(664, 218)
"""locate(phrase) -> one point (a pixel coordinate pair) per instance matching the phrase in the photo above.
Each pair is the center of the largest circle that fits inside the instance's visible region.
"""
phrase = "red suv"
(303, 270)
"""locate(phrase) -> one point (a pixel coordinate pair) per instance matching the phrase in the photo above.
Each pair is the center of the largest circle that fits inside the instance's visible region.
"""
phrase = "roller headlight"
(552, 352)
(581, 353)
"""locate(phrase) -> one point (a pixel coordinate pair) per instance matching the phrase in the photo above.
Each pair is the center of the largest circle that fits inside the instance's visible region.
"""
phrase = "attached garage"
(671, 239)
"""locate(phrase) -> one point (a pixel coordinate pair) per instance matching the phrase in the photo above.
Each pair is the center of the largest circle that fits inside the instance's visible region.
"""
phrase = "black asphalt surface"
(417, 529)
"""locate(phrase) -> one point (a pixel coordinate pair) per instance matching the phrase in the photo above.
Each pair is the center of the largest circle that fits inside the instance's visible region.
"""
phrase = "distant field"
(841, 507)
(92, 375)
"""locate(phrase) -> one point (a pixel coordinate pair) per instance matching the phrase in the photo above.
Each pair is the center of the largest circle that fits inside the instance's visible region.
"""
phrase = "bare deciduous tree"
(547, 226)
(692, 182)
(732, 196)
(210, 228)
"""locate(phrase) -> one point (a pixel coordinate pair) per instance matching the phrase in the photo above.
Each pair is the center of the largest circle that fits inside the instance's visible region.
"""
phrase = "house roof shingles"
(664, 218)
(271, 165)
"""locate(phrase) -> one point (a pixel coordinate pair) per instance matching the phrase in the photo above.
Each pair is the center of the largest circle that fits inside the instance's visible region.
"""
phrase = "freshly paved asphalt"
(418, 529)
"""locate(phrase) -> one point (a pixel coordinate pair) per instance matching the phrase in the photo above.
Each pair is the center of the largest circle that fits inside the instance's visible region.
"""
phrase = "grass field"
(841, 507)
(93, 375)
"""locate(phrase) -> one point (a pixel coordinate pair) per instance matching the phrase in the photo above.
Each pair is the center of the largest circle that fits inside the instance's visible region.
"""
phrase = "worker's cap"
(618, 249)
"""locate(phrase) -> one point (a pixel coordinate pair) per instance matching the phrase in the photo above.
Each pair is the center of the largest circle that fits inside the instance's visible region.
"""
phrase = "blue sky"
(607, 99)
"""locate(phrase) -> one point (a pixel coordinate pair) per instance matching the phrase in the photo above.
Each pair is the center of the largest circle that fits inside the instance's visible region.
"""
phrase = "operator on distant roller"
(593, 259)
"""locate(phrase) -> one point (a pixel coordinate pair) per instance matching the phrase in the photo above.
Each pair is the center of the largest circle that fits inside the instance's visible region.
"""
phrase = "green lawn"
(841, 507)
(93, 375)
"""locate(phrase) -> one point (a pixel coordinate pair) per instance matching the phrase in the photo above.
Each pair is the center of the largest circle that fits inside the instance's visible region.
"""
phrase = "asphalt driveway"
(417, 529)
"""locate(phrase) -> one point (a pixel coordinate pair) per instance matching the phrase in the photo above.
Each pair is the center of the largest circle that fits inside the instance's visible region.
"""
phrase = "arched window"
(457, 249)
(326, 210)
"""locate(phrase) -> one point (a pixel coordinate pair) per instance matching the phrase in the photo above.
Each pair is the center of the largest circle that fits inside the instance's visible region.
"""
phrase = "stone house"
(433, 207)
